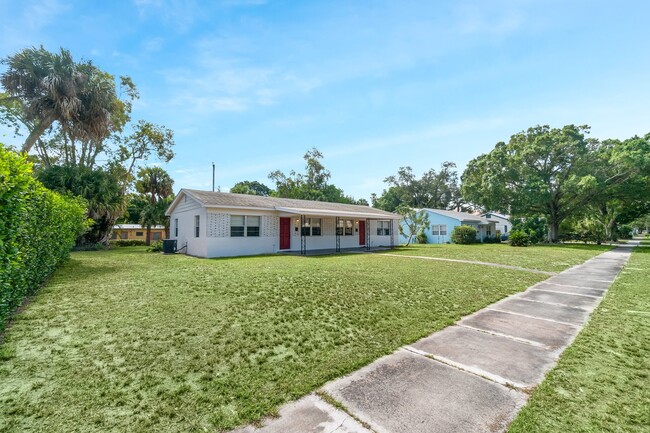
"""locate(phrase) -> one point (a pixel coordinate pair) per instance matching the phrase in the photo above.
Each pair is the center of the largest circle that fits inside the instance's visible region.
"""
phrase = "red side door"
(362, 232)
(285, 233)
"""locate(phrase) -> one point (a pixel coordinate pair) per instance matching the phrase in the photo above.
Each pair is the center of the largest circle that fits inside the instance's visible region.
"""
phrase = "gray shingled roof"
(226, 199)
(461, 216)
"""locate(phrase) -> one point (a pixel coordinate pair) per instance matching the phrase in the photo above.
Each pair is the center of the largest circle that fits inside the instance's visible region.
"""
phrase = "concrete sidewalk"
(470, 377)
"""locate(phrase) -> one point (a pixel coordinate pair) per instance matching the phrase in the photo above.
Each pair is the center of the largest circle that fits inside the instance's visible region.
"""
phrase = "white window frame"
(437, 230)
(384, 227)
(310, 224)
(344, 226)
(175, 227)
(246, 232)
(197, 226)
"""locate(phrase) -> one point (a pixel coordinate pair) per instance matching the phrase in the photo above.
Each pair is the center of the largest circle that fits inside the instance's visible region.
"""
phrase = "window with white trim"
(439, 230)
(244, 226)
(253, 226)
(505, 229)
(345, 227)
(197, 225)
(383, 228)
(312, 227)
(175, 227)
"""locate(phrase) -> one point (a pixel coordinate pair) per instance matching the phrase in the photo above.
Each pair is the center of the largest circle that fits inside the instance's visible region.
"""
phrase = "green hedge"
(37, 230)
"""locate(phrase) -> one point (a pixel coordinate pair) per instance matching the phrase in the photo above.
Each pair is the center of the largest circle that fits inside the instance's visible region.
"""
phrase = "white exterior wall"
(185, 212)
(221, 244)
(384, 241)
(215, 239)
(502, 224)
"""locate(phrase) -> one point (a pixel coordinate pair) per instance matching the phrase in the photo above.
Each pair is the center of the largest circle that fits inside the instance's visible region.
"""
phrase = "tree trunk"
(148, 241)
(553, 230)
(37, 132)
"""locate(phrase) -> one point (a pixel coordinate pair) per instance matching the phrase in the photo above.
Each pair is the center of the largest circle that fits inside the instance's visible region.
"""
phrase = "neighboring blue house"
(442, 222)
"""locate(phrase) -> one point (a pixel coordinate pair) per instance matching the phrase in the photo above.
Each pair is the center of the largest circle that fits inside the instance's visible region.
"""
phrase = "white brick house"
(217, 224)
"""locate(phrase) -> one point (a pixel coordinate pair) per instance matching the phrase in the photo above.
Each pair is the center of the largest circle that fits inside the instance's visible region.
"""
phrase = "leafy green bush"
(37, 230)
(535, 227)
(421, 237)
(155, 247)
(519, 238)
(128, 243)
(463, 235)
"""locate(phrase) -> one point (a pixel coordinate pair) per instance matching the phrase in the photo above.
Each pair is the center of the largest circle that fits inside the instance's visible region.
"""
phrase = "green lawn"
(553, 258)
(125, 340)
(602, 382)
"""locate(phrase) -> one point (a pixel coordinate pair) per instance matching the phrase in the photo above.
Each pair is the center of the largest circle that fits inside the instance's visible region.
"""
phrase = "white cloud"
(221, 77)
(178, 15)
(42, 14)
(488, 18)
(153, 44)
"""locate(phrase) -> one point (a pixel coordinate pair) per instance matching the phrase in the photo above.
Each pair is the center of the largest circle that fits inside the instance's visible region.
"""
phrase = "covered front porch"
(317, 232)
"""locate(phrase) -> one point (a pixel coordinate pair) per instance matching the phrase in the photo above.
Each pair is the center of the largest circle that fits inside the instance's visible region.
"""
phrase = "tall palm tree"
(53, 87)
(156, 184)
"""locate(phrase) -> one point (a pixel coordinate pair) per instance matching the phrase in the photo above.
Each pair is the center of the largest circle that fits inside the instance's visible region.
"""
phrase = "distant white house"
(503, 224)
(442, 223)
(217, 224)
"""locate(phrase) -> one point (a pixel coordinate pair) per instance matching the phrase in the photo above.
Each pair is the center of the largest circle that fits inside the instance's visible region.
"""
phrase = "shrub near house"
(519, 238)
(463, 235)
(37, 230)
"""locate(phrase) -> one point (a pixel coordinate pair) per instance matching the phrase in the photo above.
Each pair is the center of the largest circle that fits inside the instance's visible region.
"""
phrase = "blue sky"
(374, 85)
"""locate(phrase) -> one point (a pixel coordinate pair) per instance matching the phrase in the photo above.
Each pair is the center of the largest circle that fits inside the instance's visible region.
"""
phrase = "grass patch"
(551, 258)
(123, 340)
(601, 383)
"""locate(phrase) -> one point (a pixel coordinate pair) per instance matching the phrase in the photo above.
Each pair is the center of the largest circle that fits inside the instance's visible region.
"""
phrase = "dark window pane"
(236, 232)
(315, 231)
(252, 231)
(305, 231)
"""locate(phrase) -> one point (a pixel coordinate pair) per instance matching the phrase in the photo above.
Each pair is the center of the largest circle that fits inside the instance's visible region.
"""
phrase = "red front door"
(285, 233)
(362, 232)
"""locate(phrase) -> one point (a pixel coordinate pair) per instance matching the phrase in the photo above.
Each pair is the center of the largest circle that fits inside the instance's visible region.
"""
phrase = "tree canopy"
(617, 184)
(435, 189)
(251, 188)
(78, 120)
(312, 185)
(156, 187)
(53, 87)
(561, 175)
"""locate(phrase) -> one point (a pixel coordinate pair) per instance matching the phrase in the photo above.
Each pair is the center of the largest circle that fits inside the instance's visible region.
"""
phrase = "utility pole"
(213, 177)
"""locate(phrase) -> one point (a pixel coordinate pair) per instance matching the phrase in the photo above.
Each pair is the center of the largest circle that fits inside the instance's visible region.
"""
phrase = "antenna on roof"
(213, 177)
